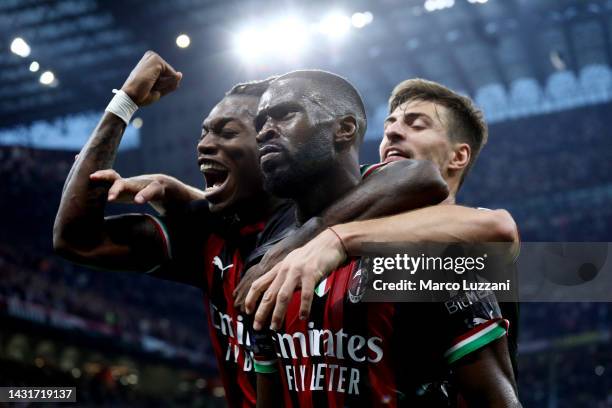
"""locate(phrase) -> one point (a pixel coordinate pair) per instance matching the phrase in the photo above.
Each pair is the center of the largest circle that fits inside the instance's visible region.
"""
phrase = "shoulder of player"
(280, 224)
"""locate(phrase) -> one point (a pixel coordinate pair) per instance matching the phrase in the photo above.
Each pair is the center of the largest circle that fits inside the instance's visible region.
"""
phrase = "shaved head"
(332, 93)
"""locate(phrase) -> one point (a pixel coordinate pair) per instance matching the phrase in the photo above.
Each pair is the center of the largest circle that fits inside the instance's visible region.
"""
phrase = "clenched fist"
(151, 79)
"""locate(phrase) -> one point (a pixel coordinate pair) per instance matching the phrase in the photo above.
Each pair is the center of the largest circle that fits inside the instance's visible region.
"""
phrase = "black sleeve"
(469, 321)
(279, 226)
(185, 234)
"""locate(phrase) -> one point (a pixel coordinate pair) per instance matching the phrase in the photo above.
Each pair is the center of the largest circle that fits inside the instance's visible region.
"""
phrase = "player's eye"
(417, 124)
(284, 114)
(228, 134)
(288, 114)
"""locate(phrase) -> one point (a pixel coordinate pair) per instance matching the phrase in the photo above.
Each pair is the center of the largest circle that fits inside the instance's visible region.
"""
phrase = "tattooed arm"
(81, 233)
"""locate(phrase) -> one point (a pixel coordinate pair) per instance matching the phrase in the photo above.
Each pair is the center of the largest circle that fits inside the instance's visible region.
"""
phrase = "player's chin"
(224, 198)
(279, 184)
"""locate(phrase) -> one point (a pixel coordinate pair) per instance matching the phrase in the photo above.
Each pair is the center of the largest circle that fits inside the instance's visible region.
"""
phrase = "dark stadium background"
(540, 69)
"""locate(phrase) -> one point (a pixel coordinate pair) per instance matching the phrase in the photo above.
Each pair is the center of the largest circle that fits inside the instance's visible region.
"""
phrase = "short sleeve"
(471, 320)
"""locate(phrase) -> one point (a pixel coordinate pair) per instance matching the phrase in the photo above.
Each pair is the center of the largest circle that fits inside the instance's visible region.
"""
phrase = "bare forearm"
(441, 223)
(485, 378)
(83, 201)
(394, 188)
(269, 391)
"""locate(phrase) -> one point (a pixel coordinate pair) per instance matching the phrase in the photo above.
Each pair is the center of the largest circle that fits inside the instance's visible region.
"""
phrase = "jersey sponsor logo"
(466, 300)
(217, 262)
(322, 377)
(324, 342)
(236, 335)
(335, 347)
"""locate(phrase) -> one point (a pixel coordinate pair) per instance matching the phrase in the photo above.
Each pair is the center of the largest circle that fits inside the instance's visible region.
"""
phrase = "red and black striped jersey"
(215, 263)
(352, 353)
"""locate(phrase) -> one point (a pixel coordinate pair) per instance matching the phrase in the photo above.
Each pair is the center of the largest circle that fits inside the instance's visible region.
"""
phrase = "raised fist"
(151, 79)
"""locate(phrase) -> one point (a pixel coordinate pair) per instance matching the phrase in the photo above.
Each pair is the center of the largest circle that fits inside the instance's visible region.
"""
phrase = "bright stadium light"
(47, 78)
(34, 66)
(249, 44)
(284, 39)
(477, 1)
(20, 47)
(335, 25)
(434, 5)
(287, 37)
(183, 41)
(360, 20)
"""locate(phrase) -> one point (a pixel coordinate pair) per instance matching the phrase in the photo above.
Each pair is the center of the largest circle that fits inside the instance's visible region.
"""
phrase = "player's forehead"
(285, 91)
(431, 110)
(237, 108)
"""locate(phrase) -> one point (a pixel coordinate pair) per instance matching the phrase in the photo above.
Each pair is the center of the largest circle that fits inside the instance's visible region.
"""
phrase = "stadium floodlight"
(477, 1)
(434, 5)
(47, 78)
(249, 44)
(286, 38)
(183, 41)
(360, 20)
(34, 66)
(20, 47)
(335, 25)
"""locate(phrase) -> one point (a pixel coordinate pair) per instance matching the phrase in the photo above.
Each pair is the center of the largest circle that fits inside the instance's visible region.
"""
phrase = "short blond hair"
(465, 123)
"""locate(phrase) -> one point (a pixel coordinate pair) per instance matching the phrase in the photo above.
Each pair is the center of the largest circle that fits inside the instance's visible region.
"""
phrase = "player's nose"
(266, 134)
(207, 146)
(393, 133)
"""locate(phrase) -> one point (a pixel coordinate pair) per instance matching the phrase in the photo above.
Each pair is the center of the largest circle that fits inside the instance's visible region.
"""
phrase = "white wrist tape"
(122, 106)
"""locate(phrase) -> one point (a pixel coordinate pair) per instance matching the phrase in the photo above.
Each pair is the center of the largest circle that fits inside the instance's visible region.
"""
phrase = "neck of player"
(256, 209)
(314, 197)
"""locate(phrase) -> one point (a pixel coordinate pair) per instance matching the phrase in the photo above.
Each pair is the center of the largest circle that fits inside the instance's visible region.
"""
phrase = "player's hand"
(274, 255)
(250, 276)
(302, 268)
(159, 190)
(151, 79)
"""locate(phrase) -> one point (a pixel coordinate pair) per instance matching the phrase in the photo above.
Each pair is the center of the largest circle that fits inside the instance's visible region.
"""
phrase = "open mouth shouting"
(395, 154)
(216, 176)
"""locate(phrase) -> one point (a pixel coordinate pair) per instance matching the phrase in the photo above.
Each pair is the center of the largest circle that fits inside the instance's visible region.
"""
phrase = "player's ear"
(346, 131)
(462, 152)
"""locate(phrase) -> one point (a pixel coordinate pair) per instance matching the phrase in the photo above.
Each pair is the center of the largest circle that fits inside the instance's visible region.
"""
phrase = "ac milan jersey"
(351, 353)
(215, 263)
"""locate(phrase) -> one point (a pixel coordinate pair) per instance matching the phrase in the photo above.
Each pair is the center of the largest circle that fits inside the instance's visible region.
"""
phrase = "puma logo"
(219, 264)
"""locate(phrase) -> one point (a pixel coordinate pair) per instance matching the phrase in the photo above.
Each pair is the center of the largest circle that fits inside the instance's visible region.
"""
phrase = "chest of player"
(353, 349)
(341, 342)
(222, 269)
(340, 326)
